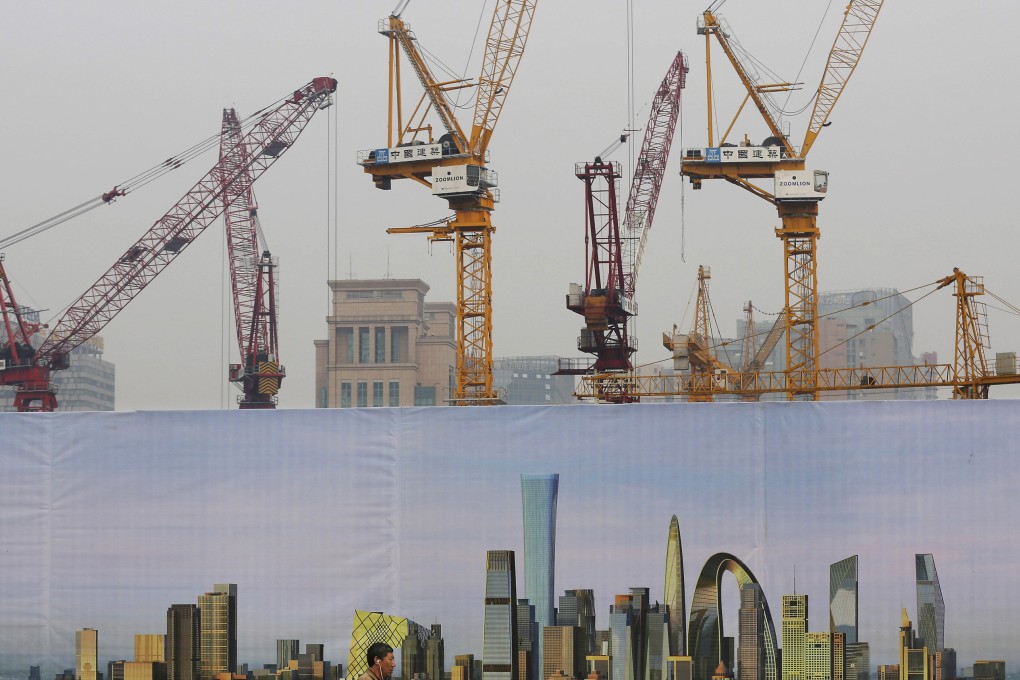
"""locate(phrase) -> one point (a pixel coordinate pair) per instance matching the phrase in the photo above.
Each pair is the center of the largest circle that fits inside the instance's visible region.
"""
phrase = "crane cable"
(131, 184)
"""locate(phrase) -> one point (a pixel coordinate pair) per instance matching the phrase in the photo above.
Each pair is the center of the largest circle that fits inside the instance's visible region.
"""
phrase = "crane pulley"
(275, 131)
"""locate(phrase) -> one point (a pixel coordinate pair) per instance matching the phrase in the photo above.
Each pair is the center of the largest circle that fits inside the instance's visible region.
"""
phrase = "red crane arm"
(240, 215)
(651, 166)
(274, 133)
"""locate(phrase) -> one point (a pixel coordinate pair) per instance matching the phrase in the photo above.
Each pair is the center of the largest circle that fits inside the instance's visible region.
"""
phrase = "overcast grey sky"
(100, 91)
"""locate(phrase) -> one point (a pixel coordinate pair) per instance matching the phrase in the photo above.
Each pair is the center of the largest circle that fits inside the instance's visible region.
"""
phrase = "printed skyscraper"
(182, 642)
(86, 643)
(538, 500)
(674, 591)
(499, 627)
(218, 626)
(843, 598)
(750, 645)
(931, 610)
(795, 615)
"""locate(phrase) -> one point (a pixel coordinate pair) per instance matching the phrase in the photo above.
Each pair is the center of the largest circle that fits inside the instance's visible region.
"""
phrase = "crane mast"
(776, 159)
(614, 251)
(251, 277)
(453, 167)
(275, 131)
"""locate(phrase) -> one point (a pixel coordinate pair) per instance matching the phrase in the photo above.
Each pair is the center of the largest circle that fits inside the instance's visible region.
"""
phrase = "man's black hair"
(378, 650)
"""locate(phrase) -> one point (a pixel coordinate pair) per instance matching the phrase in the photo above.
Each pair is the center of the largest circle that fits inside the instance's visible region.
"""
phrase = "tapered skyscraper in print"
(674, 591)
(538, 500)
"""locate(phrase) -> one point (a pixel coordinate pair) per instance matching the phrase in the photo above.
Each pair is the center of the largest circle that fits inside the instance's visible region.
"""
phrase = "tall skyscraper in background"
(674, 591)
(843, 598)
(795, 616)
(183, 632)
(499, 627)
(218, 626)
(538, 501)
(86, 652)
(931, 609)
(750, 644)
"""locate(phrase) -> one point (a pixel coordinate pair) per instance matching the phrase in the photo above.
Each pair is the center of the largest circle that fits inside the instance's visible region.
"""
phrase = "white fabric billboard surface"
(108, 519)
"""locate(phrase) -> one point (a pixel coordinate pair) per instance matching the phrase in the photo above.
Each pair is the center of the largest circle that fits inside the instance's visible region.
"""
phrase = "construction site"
(542, 224)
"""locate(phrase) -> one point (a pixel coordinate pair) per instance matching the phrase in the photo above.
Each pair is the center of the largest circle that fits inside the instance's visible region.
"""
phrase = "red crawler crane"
(275, 131)
(251, 277)
(614, 253)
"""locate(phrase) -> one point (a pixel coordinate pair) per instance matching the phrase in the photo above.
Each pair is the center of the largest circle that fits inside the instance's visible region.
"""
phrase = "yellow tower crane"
(797, 190)
(453, 166)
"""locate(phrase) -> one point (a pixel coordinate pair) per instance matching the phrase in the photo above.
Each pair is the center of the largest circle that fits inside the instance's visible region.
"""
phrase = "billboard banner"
(109, 519)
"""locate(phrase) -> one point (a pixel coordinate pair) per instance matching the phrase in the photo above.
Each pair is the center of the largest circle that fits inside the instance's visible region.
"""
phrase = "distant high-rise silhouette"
(218, 625)
(674, 591)
(499, 627)
(931, 609)
(86, 643)
(843, 598)
(183, 632)
(435, 652)
(538, 501)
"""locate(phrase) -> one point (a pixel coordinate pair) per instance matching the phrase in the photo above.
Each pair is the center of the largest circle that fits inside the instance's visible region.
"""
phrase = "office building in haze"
(843, 600)
(913, 652)
(532, 380)
(499, 624)
(386, 346)
(218, 631)
(989, 670)
(674, 591)
(527, 641)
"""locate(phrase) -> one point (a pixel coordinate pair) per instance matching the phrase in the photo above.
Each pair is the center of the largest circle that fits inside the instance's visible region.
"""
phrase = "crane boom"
(858, 20)
(508, 35)
(268, 139)
(650, 169)
(275, 131)
(251, 276)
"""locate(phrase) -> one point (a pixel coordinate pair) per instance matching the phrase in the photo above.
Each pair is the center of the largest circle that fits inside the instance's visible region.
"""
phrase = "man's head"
(380, 658)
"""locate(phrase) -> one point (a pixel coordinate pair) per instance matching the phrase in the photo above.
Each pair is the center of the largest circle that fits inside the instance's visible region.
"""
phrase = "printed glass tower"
(674, 591)
(182, 642)
(931, 610)
(499, 627)
(218, 625)
(843, 598)
(538, 500)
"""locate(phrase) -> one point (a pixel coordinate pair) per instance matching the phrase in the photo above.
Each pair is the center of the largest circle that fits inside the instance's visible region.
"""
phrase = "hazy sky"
(317, 513)
(101, 91)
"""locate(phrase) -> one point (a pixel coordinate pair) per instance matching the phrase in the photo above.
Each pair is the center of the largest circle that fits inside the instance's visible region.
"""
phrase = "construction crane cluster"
(426, 143)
